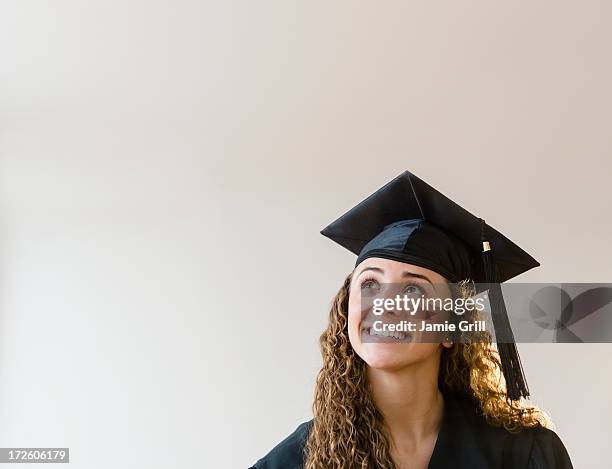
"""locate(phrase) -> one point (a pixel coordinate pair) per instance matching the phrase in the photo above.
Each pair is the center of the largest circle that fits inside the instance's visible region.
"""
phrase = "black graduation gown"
(465, 440)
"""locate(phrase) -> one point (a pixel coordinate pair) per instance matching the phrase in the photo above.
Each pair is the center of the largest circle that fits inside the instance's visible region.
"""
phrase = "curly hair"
(348, 430)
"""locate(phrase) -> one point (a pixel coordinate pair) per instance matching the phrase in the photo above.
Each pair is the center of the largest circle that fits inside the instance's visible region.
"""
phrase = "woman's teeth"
(393, 335)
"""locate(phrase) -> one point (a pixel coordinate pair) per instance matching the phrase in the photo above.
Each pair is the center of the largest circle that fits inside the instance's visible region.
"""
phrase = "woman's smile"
(378, 334)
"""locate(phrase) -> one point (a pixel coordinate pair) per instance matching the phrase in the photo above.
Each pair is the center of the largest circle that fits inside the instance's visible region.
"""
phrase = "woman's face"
(383, 278)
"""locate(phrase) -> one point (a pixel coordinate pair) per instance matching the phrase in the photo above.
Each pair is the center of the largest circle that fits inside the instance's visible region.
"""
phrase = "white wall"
(165, 168)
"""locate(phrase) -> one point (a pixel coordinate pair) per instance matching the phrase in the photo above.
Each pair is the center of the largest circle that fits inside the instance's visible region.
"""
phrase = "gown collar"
(465, 439)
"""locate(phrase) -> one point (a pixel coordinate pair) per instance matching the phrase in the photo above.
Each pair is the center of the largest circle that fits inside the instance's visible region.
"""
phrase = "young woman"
(401, 400)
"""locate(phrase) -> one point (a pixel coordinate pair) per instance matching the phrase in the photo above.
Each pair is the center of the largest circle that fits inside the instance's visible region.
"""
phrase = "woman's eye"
(413, 290)
(369, 284)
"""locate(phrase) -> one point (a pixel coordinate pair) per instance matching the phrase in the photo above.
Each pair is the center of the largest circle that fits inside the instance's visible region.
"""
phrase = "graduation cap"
(409, 221)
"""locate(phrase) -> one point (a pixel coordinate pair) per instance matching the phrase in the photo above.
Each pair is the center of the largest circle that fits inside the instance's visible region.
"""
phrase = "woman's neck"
(409, 400)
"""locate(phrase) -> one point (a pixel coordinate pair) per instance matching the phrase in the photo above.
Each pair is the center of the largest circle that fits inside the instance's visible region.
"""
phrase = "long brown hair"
(348, 430)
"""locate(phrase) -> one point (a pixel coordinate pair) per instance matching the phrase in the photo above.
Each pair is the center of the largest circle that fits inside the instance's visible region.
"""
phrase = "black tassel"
(516, 384)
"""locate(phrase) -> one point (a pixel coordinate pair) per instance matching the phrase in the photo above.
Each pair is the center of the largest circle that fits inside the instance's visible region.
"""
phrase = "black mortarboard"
(409, 221)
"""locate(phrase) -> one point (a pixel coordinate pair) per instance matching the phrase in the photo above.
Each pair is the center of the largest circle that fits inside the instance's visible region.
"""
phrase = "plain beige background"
(165, 168)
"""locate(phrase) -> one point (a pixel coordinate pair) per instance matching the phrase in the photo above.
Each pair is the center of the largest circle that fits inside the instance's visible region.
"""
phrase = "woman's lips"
(372, 335)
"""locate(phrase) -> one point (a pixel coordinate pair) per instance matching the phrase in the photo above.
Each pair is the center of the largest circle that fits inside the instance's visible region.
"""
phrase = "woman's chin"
(394, 356)
(386, 356)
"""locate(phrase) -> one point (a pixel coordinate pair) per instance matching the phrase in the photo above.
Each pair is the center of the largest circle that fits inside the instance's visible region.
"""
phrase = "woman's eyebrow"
(375, 269)
(412, 274)
(404, 274)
